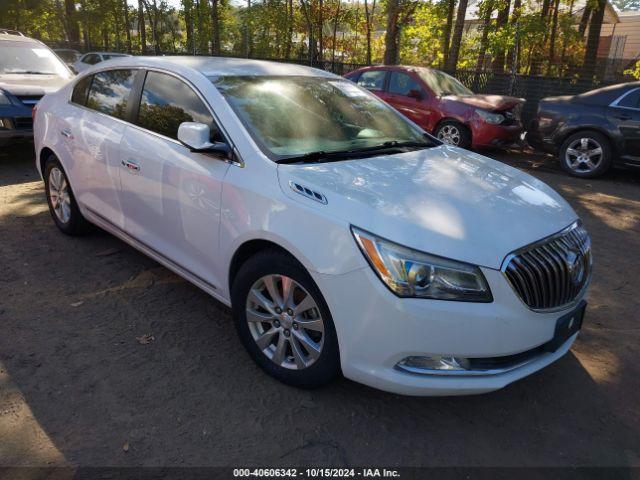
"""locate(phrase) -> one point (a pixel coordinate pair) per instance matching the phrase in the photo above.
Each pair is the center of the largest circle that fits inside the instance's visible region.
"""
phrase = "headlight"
(492, 118)
(410, 273)
(4, 100)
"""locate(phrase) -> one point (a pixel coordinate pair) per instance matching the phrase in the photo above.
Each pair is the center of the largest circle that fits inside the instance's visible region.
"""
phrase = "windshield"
(68, 55)
(291, 116)
(442, 84)
(30, 58)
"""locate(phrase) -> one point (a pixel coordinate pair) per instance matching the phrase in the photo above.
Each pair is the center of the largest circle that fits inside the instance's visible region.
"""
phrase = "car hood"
(445, 201)
(487, 102)
(36, 85)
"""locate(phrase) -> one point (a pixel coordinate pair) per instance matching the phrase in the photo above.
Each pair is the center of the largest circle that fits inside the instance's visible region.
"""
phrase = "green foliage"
(634, 71)
(280, 28)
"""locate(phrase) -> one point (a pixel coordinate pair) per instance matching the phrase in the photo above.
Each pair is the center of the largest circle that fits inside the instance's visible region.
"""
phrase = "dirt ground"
(77, 388)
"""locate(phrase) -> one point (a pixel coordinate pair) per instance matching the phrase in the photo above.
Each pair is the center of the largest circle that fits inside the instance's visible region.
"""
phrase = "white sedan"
(344, 238)
(92, 58)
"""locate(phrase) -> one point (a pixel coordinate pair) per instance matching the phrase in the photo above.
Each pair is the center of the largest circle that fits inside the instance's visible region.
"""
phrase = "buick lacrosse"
(344, 238)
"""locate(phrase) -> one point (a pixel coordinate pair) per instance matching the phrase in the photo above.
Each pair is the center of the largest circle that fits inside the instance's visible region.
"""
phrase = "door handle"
(623, 116)
(131, 165)
(66, 134)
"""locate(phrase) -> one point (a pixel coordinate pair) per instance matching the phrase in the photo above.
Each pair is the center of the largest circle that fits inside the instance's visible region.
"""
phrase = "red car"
(441, 105)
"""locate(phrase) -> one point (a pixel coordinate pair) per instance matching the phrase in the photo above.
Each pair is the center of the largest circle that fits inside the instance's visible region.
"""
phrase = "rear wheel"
(62, 203)
(586, 154)
(454, 133)
(284, 322)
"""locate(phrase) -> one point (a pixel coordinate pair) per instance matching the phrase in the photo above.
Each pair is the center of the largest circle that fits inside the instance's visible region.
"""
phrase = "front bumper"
(15, 124)
(376, 330)
(487, 135)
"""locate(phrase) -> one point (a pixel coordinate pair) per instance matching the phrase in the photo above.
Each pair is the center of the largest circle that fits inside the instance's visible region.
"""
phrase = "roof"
(224, 66)
(9, 37)
(118, 54)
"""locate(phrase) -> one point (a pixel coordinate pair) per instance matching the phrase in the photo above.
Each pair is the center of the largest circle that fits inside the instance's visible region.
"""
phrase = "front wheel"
(284, 322)
(454, 133)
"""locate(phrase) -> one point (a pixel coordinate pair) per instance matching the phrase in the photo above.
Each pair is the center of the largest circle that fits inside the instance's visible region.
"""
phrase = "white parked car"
(92, 58)
(343, 236)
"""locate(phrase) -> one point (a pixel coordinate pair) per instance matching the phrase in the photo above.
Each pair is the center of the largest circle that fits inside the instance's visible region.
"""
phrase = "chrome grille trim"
(552, 273)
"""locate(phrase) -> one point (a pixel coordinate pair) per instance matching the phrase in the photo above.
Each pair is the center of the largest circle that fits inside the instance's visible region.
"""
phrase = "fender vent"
(307, 192)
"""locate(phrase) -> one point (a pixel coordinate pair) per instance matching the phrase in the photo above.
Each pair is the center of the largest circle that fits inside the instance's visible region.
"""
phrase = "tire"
(454, 133)
(65, 213)
(297, 362)
(579, 154)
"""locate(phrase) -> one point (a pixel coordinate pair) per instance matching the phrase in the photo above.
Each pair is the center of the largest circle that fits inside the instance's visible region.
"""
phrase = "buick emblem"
(576, 266)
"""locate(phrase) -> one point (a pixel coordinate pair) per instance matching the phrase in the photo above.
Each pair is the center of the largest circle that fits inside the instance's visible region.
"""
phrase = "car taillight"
(33, 112)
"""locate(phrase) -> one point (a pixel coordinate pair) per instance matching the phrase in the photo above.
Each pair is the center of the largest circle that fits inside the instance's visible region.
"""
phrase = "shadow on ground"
(79, 383)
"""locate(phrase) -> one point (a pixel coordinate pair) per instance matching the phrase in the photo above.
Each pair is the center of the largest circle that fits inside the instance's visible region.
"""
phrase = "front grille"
(553, 272)
(23, 123)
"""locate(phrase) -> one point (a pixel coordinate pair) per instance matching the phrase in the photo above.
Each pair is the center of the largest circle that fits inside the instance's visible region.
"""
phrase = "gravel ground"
(77, 388)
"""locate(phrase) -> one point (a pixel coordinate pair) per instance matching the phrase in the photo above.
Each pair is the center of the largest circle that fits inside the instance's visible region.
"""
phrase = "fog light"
(435, 363)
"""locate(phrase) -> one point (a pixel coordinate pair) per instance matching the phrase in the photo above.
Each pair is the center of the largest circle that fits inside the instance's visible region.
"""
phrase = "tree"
(486, 10)
(446, 35)
(368, 20)
(142, 29)
(398, 13)
(501, 22)
(456, 39)
(593, 39)
(216, 26)
(71, 19)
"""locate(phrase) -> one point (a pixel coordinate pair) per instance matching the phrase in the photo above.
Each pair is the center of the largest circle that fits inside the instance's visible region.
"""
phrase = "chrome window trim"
(223, 131)
(616, 102)
(545, 240)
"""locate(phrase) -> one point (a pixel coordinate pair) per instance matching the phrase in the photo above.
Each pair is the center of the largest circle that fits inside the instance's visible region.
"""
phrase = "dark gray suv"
(28, 71)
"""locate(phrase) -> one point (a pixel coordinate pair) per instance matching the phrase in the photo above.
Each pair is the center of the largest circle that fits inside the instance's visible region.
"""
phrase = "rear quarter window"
(81, 91)
(110, 91)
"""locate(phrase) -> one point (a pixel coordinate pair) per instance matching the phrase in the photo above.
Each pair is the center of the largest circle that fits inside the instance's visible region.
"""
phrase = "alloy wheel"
(449, 134)
(59, 195)
(583, 155)
(285, 322)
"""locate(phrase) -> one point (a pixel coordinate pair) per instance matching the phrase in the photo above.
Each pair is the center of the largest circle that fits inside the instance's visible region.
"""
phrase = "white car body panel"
(192, 213)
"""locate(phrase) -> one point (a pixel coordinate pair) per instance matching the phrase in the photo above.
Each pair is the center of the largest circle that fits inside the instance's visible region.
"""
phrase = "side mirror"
(196, 136)
(417, 94)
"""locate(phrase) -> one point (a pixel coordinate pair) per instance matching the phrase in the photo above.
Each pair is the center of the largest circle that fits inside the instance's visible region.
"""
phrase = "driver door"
(171, 195)
(408, 96)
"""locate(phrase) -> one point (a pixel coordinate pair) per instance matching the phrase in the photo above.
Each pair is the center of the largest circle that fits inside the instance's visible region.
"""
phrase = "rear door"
(408, 96)
(171, 195)
(92, 132)
(625, 113)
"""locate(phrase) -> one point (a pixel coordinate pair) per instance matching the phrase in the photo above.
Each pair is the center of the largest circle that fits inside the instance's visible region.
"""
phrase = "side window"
(632, 100)
(109, 92)
(402, 84)
(81, 91)
(372, 79)
(166, 102)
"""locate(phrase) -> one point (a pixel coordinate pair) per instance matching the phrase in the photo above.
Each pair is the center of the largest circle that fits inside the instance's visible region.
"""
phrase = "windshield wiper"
(386, 147)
